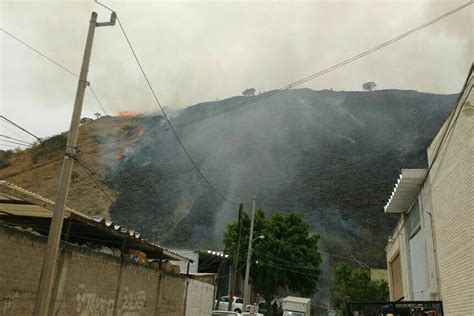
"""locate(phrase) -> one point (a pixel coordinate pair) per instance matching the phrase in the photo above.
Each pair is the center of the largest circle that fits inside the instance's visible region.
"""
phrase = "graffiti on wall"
(168, 306)
(8, 302)
(92, 304)
(133, 303)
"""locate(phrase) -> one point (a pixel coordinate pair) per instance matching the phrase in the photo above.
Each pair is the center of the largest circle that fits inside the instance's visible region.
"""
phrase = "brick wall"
(91, 283)
(452, 196)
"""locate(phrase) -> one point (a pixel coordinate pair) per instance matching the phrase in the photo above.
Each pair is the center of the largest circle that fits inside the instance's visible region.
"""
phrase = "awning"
(405, 190)
(20, 207)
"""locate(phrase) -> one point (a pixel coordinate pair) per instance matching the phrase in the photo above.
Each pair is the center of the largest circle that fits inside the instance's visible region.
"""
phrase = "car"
(237, 304)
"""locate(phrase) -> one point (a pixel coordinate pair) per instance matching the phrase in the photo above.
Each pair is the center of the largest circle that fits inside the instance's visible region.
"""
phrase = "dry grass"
(101, 143)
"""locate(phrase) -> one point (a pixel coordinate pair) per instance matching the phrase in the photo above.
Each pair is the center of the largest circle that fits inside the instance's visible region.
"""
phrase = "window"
(396, 276)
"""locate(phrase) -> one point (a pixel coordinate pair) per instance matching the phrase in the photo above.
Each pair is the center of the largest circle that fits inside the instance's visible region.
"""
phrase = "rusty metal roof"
(22, 207)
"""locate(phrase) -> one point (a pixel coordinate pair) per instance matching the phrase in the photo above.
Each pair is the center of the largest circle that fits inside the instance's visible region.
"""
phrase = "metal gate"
(398, 308)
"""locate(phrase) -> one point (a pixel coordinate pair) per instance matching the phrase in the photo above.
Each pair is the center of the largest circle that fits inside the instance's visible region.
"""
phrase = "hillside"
(101, 143)
(333, 155)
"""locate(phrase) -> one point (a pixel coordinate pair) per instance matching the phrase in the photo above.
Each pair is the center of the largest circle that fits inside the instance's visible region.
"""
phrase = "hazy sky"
(196, 51)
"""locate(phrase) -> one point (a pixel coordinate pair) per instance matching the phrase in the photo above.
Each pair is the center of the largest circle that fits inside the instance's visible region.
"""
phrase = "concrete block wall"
(172, 296)
(91, 283)
(200, 298)
(20, 269)
(452, 197)
(87, 284)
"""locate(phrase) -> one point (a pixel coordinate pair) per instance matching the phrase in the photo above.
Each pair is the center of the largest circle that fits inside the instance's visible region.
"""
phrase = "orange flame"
(127, 113)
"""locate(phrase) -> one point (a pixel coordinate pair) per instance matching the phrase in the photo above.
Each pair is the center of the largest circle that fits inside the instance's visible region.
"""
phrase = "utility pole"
(249, 256)
(236, 258)
(48, 272)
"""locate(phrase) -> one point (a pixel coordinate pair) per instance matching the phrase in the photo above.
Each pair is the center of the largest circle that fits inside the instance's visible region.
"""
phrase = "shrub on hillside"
(51, 145)
(5, 158)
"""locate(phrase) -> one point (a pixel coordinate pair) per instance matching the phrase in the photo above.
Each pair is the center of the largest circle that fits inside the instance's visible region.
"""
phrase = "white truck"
(296, 306)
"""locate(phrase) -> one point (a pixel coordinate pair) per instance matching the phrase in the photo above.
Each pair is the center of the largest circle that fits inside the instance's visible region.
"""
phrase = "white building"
(430, 254)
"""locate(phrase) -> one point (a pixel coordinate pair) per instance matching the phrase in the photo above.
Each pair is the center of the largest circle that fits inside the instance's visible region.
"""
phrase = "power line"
(93, 174)
(3, 124)
(97, 99)
(287, 87)
(39, 53)
(326, 70)
(12, 142)
(168, 121)
(16, 139)
(23, 129)
(55, 63)
(9, 146)
(451, 123)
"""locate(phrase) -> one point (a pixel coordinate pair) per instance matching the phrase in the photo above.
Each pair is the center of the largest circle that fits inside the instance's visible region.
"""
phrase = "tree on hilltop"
(369, 86)
(250, 92)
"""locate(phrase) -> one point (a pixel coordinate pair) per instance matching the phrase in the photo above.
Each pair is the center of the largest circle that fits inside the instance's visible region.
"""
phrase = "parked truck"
(296, 306)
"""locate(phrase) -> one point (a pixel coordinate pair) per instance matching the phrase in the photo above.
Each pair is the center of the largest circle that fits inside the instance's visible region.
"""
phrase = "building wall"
(91, 283)
(426, 208)
(19, 272)
(418, 264)
(172, 296)
(199, 299)
(183, 266)
(398, 245)
(452, 197)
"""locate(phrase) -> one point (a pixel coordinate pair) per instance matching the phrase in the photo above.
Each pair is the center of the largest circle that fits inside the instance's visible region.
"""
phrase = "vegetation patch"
(48, 146)
(103, 139)
(5, 158)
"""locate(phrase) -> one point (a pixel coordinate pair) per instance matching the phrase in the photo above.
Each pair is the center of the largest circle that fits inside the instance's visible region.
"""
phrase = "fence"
(398, 308)
(92, 283)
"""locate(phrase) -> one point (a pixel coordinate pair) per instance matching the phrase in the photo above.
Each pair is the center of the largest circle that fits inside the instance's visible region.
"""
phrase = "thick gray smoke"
(195, 51)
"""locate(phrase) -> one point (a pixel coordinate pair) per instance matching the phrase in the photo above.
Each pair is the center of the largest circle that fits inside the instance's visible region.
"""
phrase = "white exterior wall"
(199, 301)
(183, 265)
(417, 255)
(398, 245)
(452, 197)
(432, 288)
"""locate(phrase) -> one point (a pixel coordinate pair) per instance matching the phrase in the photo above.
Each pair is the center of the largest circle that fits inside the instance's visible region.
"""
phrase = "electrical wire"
(21, 128)
(16, 139)
(97, 99)
(3, 124)
(13, 142)
(326, 70)
(40, 53)
(93, 175)
(451, 123)
(287, 87)
(55, 63)
(198, 170)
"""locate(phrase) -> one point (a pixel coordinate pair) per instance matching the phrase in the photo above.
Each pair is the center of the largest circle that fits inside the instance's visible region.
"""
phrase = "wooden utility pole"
(48, 272)
(236, 258)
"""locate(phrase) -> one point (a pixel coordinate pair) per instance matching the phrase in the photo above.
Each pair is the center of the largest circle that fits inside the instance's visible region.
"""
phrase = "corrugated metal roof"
(405, 190)
(17, 201)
